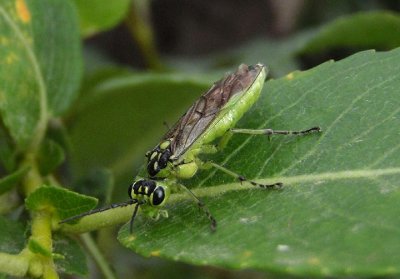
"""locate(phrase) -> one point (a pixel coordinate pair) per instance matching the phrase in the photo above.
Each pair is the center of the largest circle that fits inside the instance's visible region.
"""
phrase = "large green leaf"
(40, 64)
(339, 212)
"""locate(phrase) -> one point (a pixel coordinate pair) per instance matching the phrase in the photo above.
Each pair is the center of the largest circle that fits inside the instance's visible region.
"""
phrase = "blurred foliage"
(98, 16)
(87, 129)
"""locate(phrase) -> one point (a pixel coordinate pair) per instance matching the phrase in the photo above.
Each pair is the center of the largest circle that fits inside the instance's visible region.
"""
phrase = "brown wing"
(202, 113)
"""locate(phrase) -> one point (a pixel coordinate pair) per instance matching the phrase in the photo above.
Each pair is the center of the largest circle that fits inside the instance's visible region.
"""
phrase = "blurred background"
(188, 43)
(161, 35)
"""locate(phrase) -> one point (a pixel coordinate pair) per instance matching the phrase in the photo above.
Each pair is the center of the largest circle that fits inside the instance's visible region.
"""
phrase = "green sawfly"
(212, 116)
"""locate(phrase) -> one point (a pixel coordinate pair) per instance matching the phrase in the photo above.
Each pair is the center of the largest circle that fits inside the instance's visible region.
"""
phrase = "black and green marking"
(211, 117)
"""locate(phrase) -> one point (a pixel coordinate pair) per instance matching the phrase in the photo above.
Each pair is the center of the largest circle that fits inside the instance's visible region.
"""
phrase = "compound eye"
(158, 196)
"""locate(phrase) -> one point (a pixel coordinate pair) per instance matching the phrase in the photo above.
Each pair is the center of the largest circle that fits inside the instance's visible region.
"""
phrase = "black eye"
(158, 196)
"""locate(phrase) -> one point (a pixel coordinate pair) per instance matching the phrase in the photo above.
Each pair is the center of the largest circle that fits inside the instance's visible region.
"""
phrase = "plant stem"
(33, 179)
(41, 233)
(97, 255)
(41, 221)
(15, 265)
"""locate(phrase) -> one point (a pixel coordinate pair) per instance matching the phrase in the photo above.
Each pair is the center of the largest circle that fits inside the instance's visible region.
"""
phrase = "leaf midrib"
(372, 174)
(292, 180)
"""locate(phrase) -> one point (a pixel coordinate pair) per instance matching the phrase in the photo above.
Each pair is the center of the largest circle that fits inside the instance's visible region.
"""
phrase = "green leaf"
(126, 114)
(338, 214)
(73, 259)
(9, 181)
(39, 76)
(12, 238)
(50, 156)
(362, 30)
(100, 15)
(66, 203)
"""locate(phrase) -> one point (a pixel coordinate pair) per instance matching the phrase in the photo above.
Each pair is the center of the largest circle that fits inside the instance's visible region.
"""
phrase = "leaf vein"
(334, 123)
(264, 124)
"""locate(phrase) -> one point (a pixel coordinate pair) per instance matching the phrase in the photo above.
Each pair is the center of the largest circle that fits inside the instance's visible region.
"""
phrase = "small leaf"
(73, 259)
(100, 15)
(39, 76)
(362, 30)
(12, 238)
(50, 156)
(65, 202)
(339, 212)
(11, 180)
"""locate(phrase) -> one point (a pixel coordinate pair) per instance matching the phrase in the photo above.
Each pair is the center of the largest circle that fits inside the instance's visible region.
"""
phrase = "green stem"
(41, 221)
(33, 179)
(15, 265)
(97, 255)
(41, 233)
